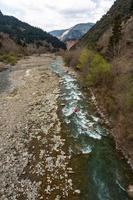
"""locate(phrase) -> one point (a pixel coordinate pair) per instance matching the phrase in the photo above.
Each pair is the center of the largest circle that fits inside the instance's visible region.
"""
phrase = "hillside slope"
(111, 77)
(121, 8)
(28, 36)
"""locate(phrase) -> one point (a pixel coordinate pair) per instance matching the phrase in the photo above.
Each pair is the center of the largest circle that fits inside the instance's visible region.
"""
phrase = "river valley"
(48, 150)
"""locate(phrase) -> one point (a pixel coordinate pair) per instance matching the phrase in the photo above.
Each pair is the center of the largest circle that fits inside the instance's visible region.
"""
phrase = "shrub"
(71, 58)
(8, 59)
(83, 59)
(99, 71)
(95, 70)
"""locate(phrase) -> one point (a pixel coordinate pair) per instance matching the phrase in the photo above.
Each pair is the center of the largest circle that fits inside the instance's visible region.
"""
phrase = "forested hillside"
(23, 34)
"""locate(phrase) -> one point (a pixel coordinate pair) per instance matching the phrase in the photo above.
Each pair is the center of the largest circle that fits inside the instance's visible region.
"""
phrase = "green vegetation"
(95, 69)
(24, 33)
(99, 71)
(8, 59)
(131, 8)
(112, 85)
(114, 43)
(116, 32)
(83, 59)
(121, 8)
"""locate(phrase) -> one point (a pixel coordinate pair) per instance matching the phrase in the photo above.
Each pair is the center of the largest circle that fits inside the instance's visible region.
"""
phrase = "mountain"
(28, 36)
(74, 33)
(1, 13)
(102, 29)
(57, 33)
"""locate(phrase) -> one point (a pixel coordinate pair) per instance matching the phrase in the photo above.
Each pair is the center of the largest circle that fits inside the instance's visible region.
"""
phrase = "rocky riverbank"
(33, 162)
(98, 101)
(104, 116)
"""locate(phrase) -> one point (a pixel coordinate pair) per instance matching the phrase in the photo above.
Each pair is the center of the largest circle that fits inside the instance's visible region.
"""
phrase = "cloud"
(56, 14)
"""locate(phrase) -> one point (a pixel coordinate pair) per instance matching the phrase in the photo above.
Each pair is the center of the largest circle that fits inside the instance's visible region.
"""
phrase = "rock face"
(73, 33)
(71, 43)
(57, 33)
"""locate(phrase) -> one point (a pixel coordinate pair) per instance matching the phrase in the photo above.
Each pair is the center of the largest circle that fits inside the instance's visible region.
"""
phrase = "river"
(100, 171)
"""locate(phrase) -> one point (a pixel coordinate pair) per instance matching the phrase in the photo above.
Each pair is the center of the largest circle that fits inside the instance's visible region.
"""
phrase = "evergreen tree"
(131, 8)
(114, 44)
(23, 33)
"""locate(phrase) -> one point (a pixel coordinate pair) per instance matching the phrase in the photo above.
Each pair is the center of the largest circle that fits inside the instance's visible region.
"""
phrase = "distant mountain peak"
(73, 33)
(1, 13)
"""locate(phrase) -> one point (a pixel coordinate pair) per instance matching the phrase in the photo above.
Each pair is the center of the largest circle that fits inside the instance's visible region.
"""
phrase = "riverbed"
(53, 144)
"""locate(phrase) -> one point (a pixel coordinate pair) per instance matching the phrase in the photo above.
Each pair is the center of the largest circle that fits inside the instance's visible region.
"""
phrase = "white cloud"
(56, 14)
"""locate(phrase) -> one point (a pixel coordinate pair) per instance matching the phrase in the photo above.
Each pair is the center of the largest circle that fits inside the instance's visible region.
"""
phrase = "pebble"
(77, 191)
(33, 148)
(130, 191)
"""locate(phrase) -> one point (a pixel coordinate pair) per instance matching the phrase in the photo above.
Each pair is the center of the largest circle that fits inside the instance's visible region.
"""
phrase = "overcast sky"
(56, 14)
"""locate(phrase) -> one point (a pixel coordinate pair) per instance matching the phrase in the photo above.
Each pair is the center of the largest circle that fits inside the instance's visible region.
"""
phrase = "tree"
(99, 72)
(114, 43)
(1, 45)
(83, 59)
(131, 8)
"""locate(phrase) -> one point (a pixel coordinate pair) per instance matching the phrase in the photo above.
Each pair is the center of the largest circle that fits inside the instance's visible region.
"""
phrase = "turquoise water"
(101, 173)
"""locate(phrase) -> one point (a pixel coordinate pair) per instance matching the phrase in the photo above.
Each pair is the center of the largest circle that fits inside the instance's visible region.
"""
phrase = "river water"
(100, 171)
(4, 80)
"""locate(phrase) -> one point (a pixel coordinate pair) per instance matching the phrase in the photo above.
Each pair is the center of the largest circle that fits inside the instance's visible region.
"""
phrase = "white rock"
(77, 191)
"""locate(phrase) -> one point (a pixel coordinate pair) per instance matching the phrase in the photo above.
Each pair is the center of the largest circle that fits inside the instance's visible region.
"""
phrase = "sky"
(56, 14)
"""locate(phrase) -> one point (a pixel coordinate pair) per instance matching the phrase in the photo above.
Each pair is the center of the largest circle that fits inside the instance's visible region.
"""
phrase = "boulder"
(130, 191)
